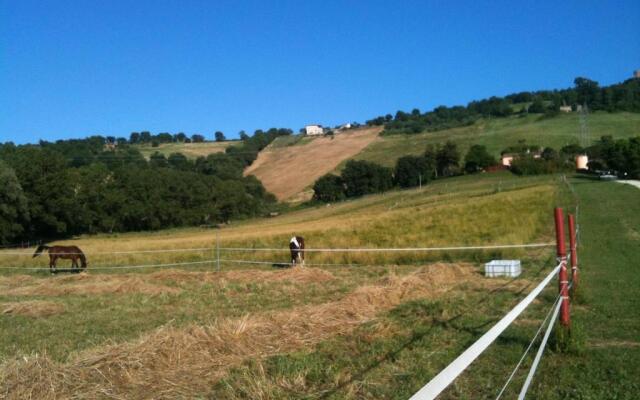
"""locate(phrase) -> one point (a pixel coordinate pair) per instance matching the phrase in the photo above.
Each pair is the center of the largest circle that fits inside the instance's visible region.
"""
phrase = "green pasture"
(499, 133)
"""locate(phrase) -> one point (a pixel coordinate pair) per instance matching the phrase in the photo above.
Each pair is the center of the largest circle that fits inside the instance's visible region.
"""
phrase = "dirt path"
(287, 171)
(632, 183)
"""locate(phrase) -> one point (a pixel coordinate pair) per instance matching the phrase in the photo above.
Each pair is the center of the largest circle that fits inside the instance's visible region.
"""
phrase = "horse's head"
(83, 261)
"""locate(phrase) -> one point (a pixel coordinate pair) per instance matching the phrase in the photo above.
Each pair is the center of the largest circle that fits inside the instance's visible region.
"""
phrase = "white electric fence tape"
(453, 370)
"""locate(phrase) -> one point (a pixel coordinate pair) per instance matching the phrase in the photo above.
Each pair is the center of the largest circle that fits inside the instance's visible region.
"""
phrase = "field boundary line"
(119, 266)
(399, 249)
(455, 368)
(310, 250)
(200, 249)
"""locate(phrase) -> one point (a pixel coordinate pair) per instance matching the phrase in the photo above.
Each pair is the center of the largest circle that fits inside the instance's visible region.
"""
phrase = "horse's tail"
(83, 260)
(39, 250)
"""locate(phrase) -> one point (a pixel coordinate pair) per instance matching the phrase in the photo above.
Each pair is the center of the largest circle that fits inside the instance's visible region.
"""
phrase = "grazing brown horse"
(296, 245)
(72, 253)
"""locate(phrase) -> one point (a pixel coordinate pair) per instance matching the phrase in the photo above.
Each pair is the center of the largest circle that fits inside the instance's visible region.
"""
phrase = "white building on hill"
(313, 130)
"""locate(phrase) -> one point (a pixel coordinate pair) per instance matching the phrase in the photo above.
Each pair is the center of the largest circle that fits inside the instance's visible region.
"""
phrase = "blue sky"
(77, 68)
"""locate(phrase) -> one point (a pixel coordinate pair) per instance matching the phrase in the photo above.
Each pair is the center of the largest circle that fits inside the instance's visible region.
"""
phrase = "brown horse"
(72, 253)
(296, 245)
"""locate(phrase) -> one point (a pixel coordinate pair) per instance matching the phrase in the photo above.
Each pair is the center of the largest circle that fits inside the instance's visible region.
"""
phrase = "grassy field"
(255, 331)
(607, 365)
(190, 150)
(499, 133)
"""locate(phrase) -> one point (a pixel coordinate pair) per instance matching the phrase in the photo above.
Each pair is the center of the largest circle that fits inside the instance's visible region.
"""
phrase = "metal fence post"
(218, 251)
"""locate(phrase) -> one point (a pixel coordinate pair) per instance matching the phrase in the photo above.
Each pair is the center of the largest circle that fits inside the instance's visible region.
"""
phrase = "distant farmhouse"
(312, 130)
(507, 158)
(566, 109)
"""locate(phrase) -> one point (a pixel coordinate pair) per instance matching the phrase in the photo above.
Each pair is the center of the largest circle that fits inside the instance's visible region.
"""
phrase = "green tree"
(179, 161)
(329, 188)
(537, 107)
(364, 177)
(243, 135)
(588, 92)
(134, 138)
(145, 137)
(14, 213)
(412, 171)
(477, 159)
(220, 136)
(448, 159)
(158, 160)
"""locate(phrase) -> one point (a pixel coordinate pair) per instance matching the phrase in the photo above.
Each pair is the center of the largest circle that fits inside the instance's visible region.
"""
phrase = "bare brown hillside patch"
(182, 362)
(287, 171)
(35, 308)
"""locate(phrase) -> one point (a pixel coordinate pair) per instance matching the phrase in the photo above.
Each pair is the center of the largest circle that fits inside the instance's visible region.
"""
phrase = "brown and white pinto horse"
(72, 253)
(296, 245)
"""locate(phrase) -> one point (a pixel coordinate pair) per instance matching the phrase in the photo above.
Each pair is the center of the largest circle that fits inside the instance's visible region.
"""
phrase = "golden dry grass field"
(195, 332)
(190, 150)
(286, 171)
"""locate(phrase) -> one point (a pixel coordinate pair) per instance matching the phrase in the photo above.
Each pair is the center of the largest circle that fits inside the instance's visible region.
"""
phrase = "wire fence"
(274, 256)
(441, 381)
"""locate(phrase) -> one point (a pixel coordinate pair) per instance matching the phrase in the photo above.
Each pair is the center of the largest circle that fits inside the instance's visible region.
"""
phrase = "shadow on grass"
(421, 331)
(281, 265)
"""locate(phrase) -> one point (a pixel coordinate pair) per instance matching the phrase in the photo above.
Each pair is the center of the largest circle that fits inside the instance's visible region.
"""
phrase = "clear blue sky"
(76, 68)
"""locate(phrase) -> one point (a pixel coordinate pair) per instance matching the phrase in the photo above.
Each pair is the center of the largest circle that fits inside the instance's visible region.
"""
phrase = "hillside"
(190, 150)
(289, 165)
(498, 133)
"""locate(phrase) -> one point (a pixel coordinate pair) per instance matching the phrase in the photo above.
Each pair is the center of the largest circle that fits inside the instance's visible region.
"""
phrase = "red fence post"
(574, 251)
(562, 258)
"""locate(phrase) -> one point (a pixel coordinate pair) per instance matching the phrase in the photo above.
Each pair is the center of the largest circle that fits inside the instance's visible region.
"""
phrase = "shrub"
(329, 188)
(364, 177)
(477, 159)
(410, 171)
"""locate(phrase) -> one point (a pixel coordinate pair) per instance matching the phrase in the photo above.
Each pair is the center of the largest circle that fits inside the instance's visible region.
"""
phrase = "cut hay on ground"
(298, 275)
(185, 362)
(14, 280)
(35, 308)
(82, 284)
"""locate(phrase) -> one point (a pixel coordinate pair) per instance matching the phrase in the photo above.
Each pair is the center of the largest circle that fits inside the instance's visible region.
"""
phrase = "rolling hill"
(290, 165)
(498, 133)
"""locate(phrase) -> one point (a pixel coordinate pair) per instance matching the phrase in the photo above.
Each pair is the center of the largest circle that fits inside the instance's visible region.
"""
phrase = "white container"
(510, 268)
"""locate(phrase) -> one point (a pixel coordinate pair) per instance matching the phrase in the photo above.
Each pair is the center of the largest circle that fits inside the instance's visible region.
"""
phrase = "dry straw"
(183, 362)
(35, 308)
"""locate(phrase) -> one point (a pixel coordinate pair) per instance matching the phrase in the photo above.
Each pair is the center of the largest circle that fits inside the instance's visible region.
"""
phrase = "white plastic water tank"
(509, 268)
